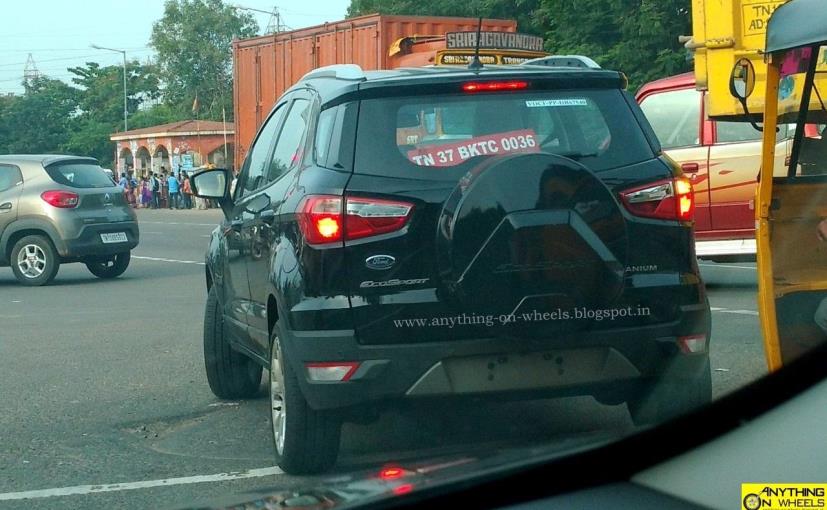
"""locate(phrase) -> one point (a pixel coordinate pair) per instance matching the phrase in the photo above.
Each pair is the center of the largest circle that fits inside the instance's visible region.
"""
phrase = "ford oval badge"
(380, 262)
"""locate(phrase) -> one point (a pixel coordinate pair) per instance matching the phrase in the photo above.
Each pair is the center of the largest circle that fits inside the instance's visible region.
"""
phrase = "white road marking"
(736, 312)
(145, 484)
(728, 266)
(140, 222)
(159, 259)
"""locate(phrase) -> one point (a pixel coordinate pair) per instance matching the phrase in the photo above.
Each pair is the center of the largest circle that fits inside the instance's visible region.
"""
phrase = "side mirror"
(258, 204)
(742, 79)
(213, 184)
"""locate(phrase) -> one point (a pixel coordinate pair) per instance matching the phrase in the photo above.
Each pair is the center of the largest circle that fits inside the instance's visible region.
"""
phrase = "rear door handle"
(5, 206)
(690, 168)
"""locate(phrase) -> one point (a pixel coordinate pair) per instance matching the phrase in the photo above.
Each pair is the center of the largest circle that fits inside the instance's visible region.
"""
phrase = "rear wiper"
(576, 155)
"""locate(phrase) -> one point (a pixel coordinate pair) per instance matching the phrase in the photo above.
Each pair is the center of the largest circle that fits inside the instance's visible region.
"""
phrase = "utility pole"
(274, 24)
(125, 107)
(30, 72)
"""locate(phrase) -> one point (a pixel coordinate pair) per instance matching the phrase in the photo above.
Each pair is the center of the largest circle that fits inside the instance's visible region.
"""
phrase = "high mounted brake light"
(669, 199)
(322, 222)
(494, 86)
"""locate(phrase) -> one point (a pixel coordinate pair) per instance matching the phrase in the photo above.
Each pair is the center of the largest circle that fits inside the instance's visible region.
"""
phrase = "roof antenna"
(475, 64)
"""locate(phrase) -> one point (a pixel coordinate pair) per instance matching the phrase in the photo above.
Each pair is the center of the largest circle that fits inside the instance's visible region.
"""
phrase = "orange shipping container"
(264, 67)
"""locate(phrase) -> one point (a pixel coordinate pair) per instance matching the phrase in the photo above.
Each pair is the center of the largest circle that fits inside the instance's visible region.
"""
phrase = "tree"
(193, 40)
(155, 115)
(38, 120)
(524, 11)
(638, 37)
(100, 105)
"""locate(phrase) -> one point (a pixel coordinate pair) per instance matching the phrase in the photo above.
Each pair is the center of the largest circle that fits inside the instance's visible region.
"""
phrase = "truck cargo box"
(264, 67)
(724, 31)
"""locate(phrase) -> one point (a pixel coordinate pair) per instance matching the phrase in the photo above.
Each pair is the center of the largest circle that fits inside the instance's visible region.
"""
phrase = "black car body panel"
(495, 251)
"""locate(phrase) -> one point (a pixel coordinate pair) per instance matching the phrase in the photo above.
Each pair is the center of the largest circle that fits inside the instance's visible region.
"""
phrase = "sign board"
(186, 162)
(493, 40)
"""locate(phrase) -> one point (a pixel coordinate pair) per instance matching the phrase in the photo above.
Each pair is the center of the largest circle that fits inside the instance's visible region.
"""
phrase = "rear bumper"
(89, 243)
(721, 249)
(591, 363)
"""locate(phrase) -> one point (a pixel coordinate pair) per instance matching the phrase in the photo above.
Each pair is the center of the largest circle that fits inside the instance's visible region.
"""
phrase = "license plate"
(116, 237)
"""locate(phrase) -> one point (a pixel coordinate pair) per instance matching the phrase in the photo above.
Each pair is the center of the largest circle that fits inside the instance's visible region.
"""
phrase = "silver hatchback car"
(60, 209)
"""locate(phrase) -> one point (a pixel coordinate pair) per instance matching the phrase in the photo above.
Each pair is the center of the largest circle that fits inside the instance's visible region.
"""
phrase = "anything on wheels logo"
(755, 496)
(559, 314)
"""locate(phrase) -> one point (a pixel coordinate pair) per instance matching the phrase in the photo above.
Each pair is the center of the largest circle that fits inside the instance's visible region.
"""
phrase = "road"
(105, 402)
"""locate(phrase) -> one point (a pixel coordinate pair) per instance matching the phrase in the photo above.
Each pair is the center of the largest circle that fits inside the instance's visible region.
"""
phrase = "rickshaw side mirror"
(742, 79)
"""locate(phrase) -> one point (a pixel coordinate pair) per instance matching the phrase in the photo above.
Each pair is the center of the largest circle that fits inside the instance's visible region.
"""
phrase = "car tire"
(34, 260)
(670, 398)
(110, 267)
(306, 440)
(230, 374)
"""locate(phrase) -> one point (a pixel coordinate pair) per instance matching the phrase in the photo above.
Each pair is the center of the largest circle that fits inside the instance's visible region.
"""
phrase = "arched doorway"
(125, 160)
(160, 160)
(143, 161)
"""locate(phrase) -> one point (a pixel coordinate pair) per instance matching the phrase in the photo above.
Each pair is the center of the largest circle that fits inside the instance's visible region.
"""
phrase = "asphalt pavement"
(104, 401)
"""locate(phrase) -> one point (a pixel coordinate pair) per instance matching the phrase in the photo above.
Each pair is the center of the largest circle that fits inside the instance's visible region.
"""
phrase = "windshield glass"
(590, 126)
(79, 175)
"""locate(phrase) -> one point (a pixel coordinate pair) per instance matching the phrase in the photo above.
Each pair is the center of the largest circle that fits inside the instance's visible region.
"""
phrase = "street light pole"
(125, 107)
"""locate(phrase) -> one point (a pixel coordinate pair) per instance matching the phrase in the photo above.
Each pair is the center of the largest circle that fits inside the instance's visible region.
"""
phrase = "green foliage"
(638, 37)
(154, 115)
(193, 41)
(37, 121)
(524, 11)
(100, 105)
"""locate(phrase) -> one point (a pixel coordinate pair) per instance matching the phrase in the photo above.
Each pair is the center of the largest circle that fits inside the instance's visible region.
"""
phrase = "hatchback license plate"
(116, 237)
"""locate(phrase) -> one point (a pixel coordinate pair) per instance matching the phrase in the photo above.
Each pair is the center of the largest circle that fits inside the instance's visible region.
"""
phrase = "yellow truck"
(725, 32)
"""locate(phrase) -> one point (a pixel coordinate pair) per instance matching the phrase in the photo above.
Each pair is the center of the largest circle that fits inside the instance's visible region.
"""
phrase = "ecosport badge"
(380, 262)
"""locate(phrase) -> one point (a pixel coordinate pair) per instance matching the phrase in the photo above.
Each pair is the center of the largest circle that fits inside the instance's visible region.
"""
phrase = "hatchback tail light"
(61, 199)
(322, 222)
(669, 199)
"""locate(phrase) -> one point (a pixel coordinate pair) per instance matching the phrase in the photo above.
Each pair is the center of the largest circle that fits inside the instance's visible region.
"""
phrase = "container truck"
(264, 67)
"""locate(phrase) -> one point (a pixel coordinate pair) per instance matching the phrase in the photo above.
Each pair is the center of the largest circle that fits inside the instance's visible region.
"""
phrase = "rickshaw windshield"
(806, 105)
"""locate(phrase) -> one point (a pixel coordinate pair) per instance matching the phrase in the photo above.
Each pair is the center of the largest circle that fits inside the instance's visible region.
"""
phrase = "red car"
(722, 160)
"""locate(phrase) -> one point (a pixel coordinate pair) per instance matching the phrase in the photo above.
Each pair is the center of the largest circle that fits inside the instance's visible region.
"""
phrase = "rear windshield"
(79, 175)
(429, 136)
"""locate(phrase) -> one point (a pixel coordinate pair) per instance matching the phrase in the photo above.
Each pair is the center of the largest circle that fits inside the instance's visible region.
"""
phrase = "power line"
(76, 57)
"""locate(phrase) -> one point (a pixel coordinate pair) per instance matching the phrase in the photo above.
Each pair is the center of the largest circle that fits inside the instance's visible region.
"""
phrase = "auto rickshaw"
(791, 203)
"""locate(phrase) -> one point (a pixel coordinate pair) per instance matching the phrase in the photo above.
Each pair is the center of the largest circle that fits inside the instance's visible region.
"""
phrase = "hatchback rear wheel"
(306, 440)
(108, 267)
(34, 260)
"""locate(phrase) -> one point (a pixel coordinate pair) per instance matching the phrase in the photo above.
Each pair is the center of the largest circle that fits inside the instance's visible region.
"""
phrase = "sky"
(58, 33)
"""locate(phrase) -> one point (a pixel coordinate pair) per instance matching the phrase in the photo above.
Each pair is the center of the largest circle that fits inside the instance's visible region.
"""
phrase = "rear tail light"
(494, 86)
(369, 217)
(337, 371)
(669, 199)
(391, 473)
(61, 199)
(322, 222)
(692, 344)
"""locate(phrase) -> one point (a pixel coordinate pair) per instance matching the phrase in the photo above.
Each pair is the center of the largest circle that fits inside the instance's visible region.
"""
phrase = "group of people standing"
(160, 190)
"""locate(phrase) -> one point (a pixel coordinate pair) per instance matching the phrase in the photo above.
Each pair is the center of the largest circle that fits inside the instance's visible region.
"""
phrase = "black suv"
(441, 232)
